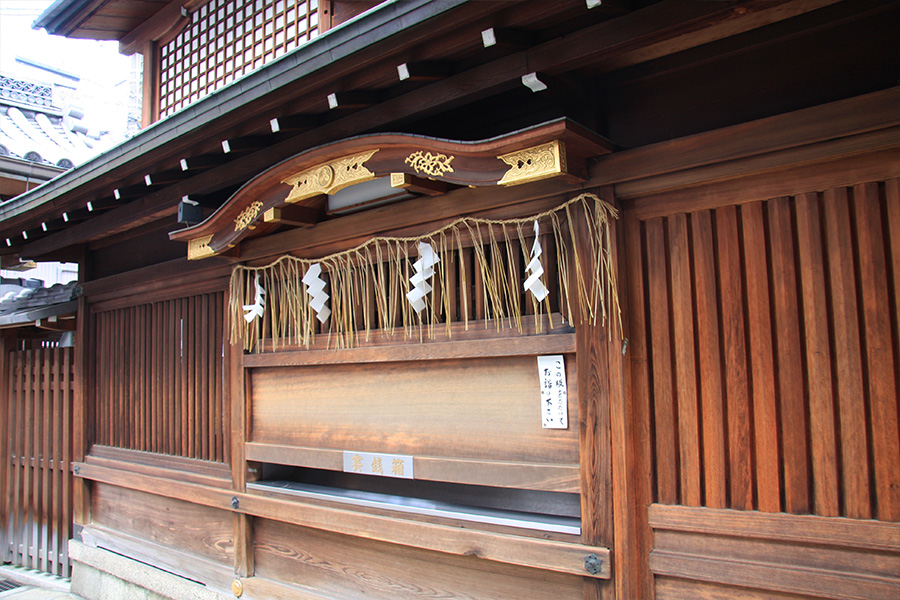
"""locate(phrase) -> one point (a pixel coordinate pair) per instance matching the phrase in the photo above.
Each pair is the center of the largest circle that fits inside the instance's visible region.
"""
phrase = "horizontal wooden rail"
(535, 553)
(521, 346)
(522, 475)
(696, 549)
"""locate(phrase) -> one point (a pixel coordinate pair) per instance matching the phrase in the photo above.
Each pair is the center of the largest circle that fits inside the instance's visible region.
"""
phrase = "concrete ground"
(30, 592)
(33, 585)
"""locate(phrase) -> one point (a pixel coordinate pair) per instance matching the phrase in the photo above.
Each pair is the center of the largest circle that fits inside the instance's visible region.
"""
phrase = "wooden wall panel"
(718, 554)
(485, 408)
(338, 566)
(159, 373)
(185, 526)
(772, 338)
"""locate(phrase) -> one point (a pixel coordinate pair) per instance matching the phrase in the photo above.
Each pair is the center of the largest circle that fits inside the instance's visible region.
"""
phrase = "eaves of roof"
(334, 45)
(31, 315)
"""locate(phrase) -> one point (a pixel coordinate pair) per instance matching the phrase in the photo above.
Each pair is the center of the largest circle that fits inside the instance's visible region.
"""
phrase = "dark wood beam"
(294, 123)
(246, 144)
(164, 177)
(422, 71)
(507, 39)
(202, 161)
(352, 99)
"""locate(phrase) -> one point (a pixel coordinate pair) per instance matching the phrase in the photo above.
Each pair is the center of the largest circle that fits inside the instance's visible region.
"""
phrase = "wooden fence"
(35, 455)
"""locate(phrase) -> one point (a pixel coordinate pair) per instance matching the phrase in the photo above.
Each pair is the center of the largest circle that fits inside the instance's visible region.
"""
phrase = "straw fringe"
(367, 284)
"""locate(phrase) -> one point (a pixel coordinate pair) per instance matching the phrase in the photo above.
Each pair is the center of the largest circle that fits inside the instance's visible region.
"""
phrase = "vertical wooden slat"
(685, 364)
(878, 351)
(709, 361)
(59, 509)
(788, 356)
(850, 396)
(56, 507)
(27, 455)
(661, 357)
(45, 463)
(818, 357)
(762, 368)
(740, 465)
(6, 388)
(206, 366)
(640, 394)
(69, 440)
(17, 444)
(217, 387)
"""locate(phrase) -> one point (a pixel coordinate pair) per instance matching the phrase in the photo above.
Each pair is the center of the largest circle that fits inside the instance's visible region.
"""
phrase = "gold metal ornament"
(330, 177)
(248, 215)
(237, 588)
(532, 164)
(199, 248)
(430, 164)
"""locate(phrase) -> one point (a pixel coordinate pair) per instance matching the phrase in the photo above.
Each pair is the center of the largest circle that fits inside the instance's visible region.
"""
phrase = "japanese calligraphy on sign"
(554, 397)
(384, 465)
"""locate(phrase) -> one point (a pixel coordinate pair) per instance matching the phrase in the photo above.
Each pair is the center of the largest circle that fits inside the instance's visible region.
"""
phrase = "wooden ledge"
(536, 553)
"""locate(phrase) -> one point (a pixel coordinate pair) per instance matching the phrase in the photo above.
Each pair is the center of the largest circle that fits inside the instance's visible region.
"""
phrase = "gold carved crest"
(430, 164)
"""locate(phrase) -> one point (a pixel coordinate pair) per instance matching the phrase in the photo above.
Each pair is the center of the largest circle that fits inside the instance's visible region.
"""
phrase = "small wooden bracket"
(298, 216)
(418, 185)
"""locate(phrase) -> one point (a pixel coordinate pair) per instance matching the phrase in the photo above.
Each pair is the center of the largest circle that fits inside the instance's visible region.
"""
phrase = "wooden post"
(81, 412)
(235, 399)
(595, 448)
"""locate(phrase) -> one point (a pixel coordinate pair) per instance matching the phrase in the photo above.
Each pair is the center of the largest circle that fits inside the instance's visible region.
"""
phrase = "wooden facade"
(734, 435)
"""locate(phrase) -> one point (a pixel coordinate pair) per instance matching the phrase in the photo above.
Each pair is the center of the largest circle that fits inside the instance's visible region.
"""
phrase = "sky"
(103, 89)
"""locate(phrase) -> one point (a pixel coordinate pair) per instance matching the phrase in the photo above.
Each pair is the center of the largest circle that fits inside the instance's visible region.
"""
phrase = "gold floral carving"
(430, 164)
(248, 215)
(199, 248)
(531, 164)
(330, 177)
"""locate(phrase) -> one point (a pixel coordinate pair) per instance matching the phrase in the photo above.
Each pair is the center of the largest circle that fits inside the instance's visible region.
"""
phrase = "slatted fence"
(35, 454)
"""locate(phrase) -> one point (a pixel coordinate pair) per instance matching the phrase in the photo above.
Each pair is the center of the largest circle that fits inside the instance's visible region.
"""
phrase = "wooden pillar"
(243, 524)
(593, 367)
(150, 103)
(82, 411)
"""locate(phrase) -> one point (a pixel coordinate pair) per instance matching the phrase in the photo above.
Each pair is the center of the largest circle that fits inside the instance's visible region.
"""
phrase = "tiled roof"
(31, 128)
(29, 304)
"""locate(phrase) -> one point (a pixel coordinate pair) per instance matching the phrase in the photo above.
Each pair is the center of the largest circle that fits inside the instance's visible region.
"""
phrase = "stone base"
(99, 574)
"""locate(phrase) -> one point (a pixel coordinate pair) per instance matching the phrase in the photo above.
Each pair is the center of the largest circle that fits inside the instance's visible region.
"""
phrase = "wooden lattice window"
(226, 39)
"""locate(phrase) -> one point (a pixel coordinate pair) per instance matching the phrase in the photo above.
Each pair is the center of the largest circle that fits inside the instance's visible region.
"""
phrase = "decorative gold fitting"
(532, 164)
(430, 164)
(330, 177)
(237, 588)
(199, 248)
(247, 216)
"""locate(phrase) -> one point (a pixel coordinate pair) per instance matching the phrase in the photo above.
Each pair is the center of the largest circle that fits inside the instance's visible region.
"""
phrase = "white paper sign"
(554, 396)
